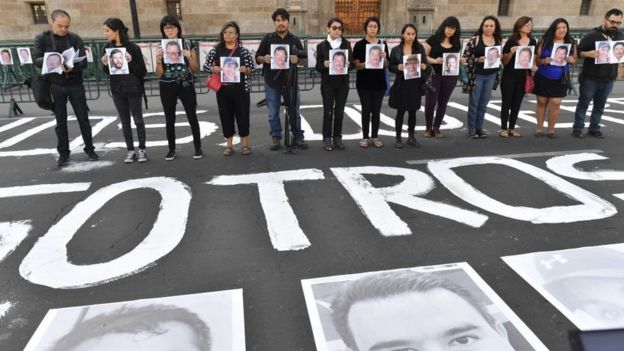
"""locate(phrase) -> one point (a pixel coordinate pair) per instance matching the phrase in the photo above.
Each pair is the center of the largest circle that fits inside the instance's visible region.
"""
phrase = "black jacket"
(588, 43)
(129, 83)
(45, 42)
(322, 54)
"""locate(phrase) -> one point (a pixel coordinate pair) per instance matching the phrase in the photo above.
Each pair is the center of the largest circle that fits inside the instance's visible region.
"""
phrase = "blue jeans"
(479, 98)
(273, 98)
(597, 90)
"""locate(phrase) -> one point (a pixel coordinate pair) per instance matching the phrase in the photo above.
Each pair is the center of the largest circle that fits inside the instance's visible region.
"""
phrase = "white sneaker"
(142, 156)
(130, 157)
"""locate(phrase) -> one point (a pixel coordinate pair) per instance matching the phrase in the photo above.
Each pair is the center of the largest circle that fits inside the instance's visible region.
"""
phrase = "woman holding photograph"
(370, 83)
(406, 93)
(512, 83)
(233, 98)
(334, 88)
(481, 81)
(445, 40)
(177, 82)
(551, 85)
(127, 89)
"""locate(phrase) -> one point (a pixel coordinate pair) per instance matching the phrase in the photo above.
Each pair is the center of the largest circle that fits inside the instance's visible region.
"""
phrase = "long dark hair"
(227, 25)
(172, 21)
(451, 22)
(117, 25)
(415, 44)
(549, 36)
(498, 33)
(520, 22)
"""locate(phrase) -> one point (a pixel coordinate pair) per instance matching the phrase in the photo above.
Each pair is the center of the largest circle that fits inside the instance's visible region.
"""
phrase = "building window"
(174, 8)
(39, 12)
(503, 7)
(585, 5)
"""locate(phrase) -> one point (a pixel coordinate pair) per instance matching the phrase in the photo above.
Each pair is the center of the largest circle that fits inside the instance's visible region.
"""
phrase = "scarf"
(335, 44)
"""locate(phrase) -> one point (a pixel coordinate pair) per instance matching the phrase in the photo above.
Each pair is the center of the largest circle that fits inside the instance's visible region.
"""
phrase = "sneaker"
(275, 143)
(130, 157)
(198, 154)
(327, 144)
(170, 155)
(428, 133)
(398, 143)
(364, 143)
(411, 141)
(578, 133)
(63, 160)
(595, 134)
(338, 143)
(481, 134)
(471, 133)
(142, 156)
(377, 143)
(301, 144)
(92, 155)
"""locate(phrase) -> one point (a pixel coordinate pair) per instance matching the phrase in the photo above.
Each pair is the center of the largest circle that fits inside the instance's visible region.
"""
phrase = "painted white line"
(42, 189)
(619, 196)
(15, 124)
(86, 166)
(4, 308)
(527, 155)
(11, 235)
(566, 166)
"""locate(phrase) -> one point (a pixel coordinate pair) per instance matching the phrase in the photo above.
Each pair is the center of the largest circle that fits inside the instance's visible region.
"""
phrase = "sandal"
(245, 150)
(539, 134)
(503, 133)
(377, 143)
(228, 151)
(513, 133)
(364, 143)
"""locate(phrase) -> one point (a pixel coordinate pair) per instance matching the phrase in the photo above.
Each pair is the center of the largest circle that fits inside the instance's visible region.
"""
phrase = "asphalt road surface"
(306, 219)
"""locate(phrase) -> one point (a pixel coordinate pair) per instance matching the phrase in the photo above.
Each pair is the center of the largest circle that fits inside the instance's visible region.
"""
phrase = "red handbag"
(213, 82)
(529, 84)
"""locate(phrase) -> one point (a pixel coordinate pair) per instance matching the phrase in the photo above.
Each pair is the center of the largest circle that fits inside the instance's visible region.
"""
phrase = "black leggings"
(371, 109)
(512, 92)
(169, 93)
(334, 101)
(127, 104)
(411, 122)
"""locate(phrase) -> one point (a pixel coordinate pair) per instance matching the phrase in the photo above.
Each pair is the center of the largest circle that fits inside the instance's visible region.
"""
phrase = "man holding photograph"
(66, 86)
(278, 82)
(406, 310)
(596, 81)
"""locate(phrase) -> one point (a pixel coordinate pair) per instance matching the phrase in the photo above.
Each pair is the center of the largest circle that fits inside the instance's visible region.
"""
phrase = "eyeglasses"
(336, 28)
(617, 23)
(170, 27)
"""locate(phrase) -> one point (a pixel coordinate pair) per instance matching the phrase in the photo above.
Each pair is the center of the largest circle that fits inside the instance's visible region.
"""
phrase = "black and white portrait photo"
(200, 322)
(585, 284)
(445, 307)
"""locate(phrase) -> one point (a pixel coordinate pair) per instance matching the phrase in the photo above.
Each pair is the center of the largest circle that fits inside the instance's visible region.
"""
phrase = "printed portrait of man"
(451, 64)
(24, 56)
(524, 58)
(406, 310)
(338, 62)
(374, 56)
(279, 60)
(5, 57)
(586, 284)
(492, 57)
(559, 55)
(53, 63)
(173, 52)
(153, 327)
(230, 72)
(604, 51)
(411, 68)
(88, 54)
(117, 62)
(618, 52)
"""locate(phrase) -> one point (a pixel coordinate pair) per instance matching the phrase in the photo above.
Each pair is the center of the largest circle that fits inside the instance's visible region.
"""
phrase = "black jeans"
(169, 94)
(127, 104)
(444, 86)
(512, 92)
(334, 101)
(76, 96)
(233, 102)
(371, 109)
(411, 122)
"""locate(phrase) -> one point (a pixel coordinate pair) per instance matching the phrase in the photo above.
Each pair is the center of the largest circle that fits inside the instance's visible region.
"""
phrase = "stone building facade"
(205, 17)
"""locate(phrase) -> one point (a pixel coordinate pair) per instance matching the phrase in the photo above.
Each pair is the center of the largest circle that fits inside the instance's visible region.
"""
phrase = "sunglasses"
(336, 28)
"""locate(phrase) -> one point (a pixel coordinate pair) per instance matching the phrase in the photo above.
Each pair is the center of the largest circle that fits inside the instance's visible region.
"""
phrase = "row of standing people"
(177, 81)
